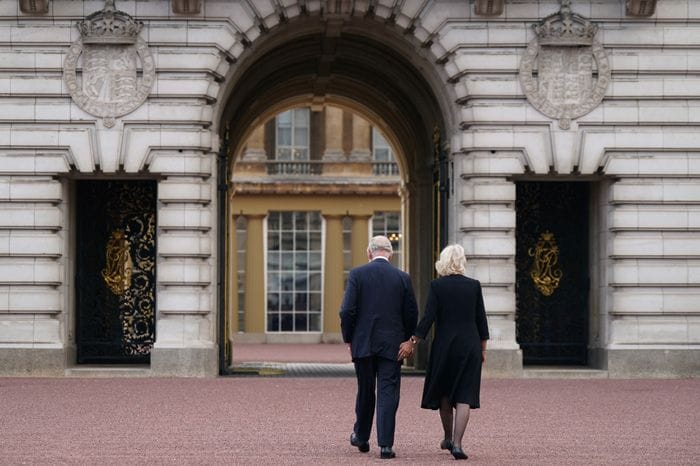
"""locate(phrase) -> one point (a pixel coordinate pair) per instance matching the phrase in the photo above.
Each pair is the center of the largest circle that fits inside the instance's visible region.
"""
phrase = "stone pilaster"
(334, 135)
(255, 276)
(333, 278)
(360, 239)
(486, 226)
(360, 140)
(255, 147)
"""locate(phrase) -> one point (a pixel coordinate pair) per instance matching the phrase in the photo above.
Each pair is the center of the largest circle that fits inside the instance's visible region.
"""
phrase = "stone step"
(563, 372)
(295, 369)
(107, 371)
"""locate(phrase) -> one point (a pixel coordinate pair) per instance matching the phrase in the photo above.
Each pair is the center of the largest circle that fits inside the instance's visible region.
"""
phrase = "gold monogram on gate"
(119, 268)
(545, 272)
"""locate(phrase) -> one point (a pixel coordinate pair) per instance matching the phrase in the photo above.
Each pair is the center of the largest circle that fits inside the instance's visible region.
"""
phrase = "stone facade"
(639, 148)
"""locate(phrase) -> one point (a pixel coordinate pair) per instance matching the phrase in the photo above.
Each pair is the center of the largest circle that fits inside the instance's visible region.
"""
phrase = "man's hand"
(405, 350)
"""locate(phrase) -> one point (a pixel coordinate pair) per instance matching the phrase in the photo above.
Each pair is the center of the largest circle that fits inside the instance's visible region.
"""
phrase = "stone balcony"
(315, 177)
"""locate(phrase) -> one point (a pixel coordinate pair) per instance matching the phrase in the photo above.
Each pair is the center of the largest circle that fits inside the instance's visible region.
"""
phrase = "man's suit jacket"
(378, 311)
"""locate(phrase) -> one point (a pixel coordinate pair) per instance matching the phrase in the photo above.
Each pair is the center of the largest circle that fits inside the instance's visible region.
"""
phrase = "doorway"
(363, 67)
(552, 278)
(115, 271)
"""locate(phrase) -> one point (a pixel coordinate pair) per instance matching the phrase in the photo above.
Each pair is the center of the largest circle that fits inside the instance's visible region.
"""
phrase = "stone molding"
(186, 7)
(489, 7)
(34, 7)
(640, 8)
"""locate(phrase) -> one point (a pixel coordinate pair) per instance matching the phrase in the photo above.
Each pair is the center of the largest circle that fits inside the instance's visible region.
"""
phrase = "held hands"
(405, 350)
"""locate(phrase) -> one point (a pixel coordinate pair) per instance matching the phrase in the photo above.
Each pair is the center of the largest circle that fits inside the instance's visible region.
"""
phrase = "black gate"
(552, 272)
(115, 271)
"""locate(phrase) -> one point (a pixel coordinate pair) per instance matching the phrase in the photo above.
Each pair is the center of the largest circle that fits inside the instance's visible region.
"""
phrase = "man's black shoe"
(355, 442)
(386, 453)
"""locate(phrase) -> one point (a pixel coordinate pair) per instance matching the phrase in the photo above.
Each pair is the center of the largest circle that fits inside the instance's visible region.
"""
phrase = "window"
(381, 152)
(292, 128)
(389, 225)
(294, 268)
(382, 155)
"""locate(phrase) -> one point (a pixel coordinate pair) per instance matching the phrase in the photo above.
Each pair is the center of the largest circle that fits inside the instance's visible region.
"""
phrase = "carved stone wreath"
(127, 91)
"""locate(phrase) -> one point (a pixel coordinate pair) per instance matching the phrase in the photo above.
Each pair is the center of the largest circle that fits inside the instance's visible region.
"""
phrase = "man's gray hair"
(380, 243)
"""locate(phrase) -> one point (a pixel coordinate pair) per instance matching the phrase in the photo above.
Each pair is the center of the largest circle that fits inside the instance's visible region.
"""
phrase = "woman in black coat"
(453, 378)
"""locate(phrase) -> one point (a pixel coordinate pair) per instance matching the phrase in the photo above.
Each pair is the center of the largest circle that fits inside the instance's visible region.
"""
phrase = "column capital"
(361, 216)
(249, 216)
(333, 216)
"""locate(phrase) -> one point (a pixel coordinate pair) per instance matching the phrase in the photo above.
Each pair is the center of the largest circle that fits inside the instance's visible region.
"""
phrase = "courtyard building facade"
(181, 176)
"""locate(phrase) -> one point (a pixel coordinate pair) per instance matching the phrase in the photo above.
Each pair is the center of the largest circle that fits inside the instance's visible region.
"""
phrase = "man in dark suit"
(378, 313)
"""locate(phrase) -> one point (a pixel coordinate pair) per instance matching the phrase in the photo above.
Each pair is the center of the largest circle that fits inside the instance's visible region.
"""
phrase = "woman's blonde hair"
(452, 261)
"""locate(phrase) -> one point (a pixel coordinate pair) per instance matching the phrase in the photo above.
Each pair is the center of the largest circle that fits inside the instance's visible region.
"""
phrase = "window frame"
(293, 146)
(320, 293)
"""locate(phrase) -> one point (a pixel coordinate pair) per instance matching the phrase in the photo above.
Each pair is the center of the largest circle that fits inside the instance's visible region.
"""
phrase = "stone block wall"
(640, 146)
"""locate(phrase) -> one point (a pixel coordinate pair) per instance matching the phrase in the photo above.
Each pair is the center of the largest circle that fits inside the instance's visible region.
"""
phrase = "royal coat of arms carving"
(109, 71)
(564, 72)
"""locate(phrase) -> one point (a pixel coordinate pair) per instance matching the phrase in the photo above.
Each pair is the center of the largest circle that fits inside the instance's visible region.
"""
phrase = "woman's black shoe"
(446, 445)
(458, 453)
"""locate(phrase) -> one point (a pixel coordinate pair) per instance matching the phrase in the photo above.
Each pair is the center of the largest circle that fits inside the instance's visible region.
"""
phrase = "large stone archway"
(369, 67)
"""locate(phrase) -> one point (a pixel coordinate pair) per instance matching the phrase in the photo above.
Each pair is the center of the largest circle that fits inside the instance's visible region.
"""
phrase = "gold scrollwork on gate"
(119, 267)
(545, 272)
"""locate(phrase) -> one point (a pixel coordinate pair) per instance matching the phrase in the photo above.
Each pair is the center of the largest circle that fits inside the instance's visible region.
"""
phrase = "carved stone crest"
(101, 69)
(564, 72)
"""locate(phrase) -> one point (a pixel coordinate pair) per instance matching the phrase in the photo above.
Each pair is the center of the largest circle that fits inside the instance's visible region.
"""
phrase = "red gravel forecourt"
(258, 420)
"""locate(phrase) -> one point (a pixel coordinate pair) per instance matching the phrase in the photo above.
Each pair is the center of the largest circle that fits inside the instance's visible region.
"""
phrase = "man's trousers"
(384, 375)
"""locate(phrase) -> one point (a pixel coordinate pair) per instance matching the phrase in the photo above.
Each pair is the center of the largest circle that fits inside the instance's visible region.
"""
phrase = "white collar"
(380, 257)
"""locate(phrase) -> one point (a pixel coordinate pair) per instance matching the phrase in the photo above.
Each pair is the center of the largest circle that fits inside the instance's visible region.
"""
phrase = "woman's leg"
(461, 420)
(446, 418)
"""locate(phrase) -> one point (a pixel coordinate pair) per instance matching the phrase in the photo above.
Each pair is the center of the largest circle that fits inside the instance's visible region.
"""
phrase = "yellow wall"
(333, 208)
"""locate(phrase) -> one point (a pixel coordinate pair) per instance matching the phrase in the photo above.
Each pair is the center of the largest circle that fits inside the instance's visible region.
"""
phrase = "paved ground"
(271, 420)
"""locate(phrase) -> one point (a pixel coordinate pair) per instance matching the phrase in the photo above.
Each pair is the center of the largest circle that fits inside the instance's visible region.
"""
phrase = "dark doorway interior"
(115, 271)
(552, 281)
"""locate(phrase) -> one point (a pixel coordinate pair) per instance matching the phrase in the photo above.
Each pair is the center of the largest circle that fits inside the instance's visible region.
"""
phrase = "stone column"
(255, 147)
(333, 278)
(334, 135)
(360, 239)
(255, 276)
(360, 140)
